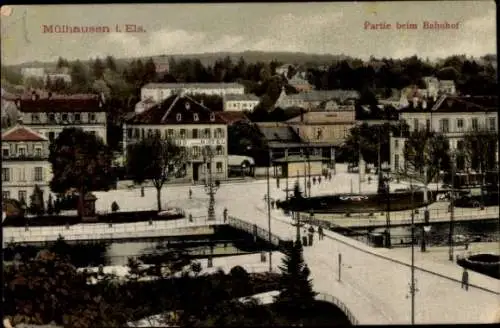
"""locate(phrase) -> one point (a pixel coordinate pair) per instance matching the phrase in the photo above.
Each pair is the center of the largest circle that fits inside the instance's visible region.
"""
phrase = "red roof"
(22, 133)
(233, 117)
(61, 103)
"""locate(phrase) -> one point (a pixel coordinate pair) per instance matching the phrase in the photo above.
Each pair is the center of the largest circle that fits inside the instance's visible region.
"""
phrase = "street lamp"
(412, 282)
(452, 210)
(210, 185)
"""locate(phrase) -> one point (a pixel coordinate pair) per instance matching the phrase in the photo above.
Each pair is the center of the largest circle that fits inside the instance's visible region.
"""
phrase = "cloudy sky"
(321, 27)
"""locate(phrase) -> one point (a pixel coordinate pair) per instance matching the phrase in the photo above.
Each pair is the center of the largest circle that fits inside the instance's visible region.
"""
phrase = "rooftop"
(233, 117)
(192, 85)
(75, 103)
(456, 104)
(22, 133)
(177, 109)
(323, 95)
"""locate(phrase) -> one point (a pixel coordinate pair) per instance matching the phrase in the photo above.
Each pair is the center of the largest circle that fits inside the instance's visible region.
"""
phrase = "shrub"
(50, 205)
(239, 272)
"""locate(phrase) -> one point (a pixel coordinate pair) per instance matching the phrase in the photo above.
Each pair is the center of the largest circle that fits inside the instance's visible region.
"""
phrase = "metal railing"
(332, 299)
(96, 231)
(255, 230)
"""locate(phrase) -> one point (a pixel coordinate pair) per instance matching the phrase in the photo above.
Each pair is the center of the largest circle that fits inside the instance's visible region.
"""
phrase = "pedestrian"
(272, 204)
(319, 180)
(329, 176)
(277, 182)
(225, 214)
(465, 279)
(304, 238)
(309, 185)
(311, 235)
(466, 245)
(320, 233)
(314, 180)
(190, 193)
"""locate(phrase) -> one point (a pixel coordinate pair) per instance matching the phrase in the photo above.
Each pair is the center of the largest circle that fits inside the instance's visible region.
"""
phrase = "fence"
(332, 299)
(255, 230)
(96, 231)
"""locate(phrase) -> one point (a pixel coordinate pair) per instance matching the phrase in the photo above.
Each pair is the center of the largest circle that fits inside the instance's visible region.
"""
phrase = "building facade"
(452, 116)
(161, 91)
(25, 163)
(240, 102)
(35, 72)
(313, 99)
(49, 116)
(193, 127)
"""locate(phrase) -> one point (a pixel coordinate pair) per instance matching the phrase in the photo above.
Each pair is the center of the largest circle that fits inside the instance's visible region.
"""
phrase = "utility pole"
(452, 209)
(412, 283)
(426, 211)
(269, 213)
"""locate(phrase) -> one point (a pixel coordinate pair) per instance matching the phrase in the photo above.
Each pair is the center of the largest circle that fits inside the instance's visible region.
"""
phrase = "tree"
(32, 82)
(156, 160)
(80, 77)
(100, 86)
(82, 161)
(149, 71)
(98, 68)
(110, 63)
(480, 148)
(115, 207)
(36, 202)
(296, 293)
(426, 153)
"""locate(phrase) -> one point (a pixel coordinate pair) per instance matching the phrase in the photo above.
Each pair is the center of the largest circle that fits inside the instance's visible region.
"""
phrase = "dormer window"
(178, 117)
(5, 152)
(77, 117)
(187, 105)
(22, 152)
(195, 117)
(212, 117)
(92, 117)
(38, 152)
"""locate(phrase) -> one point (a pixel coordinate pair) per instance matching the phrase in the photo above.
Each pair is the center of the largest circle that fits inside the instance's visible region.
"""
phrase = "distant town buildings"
(162, 65)
(313, 99)
(33, 72)
(194, 127)
(240, 102)
(25, 164)
(161, 91)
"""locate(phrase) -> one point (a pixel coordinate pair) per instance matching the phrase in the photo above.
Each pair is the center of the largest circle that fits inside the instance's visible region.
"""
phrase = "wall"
(19, 182)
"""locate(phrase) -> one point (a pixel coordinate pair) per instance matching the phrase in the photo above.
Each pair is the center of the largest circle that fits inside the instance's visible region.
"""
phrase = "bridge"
(373, 285)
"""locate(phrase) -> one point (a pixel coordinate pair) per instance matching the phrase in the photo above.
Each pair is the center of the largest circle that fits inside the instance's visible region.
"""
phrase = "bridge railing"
(101, 230)
(332, 299)
(255, 230)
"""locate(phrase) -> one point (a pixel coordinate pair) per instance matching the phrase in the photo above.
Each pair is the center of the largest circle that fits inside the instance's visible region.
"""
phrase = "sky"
(321, 28)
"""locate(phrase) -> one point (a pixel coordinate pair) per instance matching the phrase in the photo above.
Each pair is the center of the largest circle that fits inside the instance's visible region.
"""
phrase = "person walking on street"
(329, 176)
(304, 238)
(225, 215)
(190, 193)
(320, 233)
(272, 204)
(311, 235)
(465, 279)
(314, 180)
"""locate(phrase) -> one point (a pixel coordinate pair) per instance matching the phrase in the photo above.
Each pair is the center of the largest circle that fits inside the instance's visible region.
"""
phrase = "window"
(92, 133)
(137, 133)
(5, 194)
(415, 124)
(219, 167)
(142, 133)
(158, 133)
(196, 117)
(196, 151)
(396, 162)
(195, 133)
(78, 118)
(170, 133)
(51, 136)
(150, 133)
(428, 125)
(129, 133)
(182, 133)
(444, 125)
(64, 117)
(22, 152)
(179, 117)
(475, 124)
(492, 124)
(206, 133)
(52, 118)
(396, 143)
(460, 144)
(22, 194)
(5, 152)
(22, 174)
(92, 117)
(212, 117)
(35, 118)
(5, 174)
(38, 174)
(460, 123)
(38, 152)
(219, 150)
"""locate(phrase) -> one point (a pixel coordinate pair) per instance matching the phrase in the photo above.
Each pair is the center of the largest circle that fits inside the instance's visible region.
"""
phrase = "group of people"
(308, 235)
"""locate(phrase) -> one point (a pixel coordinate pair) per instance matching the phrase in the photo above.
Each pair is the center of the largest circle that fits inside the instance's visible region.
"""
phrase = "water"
(477, 231)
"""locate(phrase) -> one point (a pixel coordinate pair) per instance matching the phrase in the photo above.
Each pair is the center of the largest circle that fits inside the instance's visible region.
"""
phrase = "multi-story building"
(300, 83)
(56, 76)
(49, 116)
(33, 72)
(451, 116)
(161, 91)
(25, 164)
(240, 102)
(162, 65)
(331, 127)
(447, 87)
(192, 126)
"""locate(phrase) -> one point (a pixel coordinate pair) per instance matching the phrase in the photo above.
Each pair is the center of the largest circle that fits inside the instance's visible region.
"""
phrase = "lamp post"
(269, 212)
(412, 282)
(452, 210)
(388, 214)
(210, 185)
